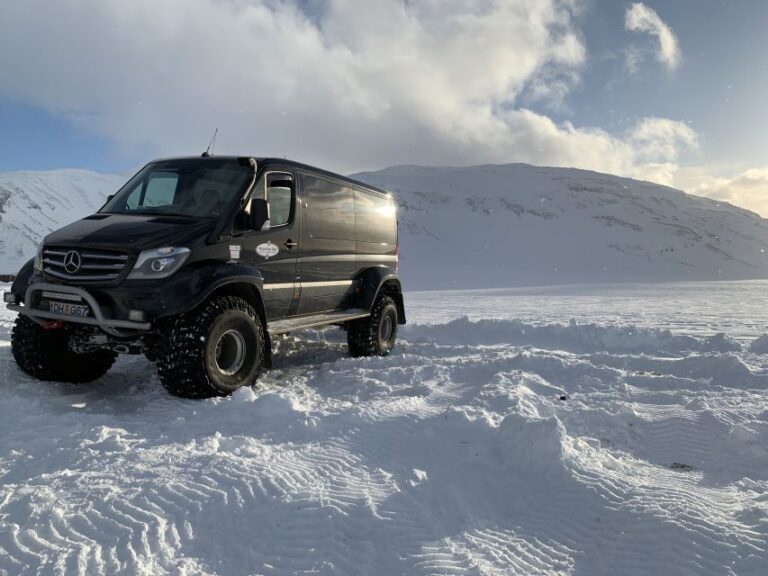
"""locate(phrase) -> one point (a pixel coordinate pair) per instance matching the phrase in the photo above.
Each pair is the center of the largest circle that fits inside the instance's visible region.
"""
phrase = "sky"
(669, 91)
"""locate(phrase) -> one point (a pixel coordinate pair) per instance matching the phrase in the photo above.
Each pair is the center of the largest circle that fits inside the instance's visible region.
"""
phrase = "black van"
(198, 262)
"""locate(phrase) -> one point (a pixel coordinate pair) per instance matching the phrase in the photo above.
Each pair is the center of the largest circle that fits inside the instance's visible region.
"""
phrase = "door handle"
(290, 244)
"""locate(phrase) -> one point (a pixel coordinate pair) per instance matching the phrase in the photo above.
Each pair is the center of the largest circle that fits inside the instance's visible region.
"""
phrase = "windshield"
(189, 187)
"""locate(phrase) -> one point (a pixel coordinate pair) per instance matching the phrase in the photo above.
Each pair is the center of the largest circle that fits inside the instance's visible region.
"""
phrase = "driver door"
(275, 252)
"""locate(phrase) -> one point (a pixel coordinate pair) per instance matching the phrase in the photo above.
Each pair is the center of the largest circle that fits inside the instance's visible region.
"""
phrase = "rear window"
(331, 209)
(375, 218)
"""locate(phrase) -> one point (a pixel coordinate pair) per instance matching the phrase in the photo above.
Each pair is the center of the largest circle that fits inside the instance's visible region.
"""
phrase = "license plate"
(70, 309)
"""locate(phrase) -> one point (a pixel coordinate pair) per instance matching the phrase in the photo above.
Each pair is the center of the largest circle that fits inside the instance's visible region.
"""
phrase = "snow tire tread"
(181, 362)
(363, 334)
(45, 354)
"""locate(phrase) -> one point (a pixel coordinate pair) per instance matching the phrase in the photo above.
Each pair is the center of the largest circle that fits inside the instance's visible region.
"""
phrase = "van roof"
(285, 162)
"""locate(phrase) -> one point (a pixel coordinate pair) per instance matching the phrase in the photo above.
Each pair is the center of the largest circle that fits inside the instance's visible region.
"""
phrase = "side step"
(301, 322)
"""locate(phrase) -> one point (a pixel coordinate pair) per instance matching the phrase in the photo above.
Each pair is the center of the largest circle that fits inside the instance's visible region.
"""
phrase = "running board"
(301, 322)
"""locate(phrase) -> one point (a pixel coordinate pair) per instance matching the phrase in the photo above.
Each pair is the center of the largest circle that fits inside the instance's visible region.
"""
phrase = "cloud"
(641, 18)
(661, 138)
(747, 188)
(346, 84)
(649, 149)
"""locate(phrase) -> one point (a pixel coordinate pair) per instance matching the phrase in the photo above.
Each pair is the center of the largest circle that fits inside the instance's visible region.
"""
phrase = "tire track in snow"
(488, 550)
(445, 458)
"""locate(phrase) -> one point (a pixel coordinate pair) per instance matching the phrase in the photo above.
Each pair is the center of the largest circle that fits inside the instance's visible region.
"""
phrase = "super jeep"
(198, 262)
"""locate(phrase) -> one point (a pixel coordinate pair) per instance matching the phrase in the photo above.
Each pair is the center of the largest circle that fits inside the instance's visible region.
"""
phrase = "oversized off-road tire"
(374, 335)
(45, 354)
(212, 350)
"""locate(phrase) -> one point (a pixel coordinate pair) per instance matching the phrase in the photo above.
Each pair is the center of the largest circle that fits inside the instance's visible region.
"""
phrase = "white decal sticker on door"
(234, 252)
(267, 250)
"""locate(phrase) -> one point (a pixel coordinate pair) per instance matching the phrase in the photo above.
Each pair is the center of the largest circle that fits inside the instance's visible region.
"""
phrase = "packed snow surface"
(494, 440)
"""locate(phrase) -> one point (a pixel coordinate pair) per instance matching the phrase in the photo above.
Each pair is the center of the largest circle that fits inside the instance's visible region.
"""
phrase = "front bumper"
(109, 325)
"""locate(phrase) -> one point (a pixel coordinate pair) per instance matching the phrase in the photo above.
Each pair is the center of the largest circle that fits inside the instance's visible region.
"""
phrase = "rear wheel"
(213, 350)
(45, 354)
(374, 335)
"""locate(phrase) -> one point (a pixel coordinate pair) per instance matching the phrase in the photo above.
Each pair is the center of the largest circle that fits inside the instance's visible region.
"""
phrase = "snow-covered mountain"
(32, 204)
(494, 226)
(483, 226)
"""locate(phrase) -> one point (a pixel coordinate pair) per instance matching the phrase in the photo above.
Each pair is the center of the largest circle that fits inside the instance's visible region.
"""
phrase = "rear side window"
(375, 218)
(331, 209)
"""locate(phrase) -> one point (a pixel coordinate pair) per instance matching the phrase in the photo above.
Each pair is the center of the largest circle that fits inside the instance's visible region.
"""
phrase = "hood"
(130, 233)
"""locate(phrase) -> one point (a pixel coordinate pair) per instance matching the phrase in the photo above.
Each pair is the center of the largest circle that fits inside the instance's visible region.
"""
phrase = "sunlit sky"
(672, 92)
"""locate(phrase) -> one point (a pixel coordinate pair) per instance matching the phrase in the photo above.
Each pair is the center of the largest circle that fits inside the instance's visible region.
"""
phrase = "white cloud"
(661, 138)
(649, 150)
(746, 188)
(349, 84)
(641, 18)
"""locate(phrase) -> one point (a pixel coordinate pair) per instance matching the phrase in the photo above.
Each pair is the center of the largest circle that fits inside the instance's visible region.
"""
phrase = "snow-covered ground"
(694, 308)
(511, 441)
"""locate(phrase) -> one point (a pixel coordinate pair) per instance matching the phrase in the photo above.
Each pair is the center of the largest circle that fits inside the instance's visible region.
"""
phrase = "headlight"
(158, 263)
(39, 259)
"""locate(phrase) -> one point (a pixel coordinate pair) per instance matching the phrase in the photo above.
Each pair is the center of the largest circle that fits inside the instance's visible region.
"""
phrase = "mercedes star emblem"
(72, 262)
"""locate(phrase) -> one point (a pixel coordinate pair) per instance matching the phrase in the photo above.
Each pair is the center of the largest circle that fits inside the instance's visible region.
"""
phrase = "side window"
(280, 198)
(375, 218)
(331, 209)
(134, 197)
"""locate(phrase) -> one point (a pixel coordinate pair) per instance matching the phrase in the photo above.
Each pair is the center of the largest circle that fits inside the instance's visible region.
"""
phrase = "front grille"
(94, 265)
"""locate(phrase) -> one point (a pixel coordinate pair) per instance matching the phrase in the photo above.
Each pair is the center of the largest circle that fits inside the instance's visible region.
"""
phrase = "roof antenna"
(208, 151)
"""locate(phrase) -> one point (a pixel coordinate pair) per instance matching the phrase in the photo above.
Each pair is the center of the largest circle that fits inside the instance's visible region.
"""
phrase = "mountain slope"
(482, 226)
(32, 204)
(492, 226)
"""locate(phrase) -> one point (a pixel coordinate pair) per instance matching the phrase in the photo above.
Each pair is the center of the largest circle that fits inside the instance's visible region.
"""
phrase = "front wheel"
(374, 335)
(213, 350)
(45, 354)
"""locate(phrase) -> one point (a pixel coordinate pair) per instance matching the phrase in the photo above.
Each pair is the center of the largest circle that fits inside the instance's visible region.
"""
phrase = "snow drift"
(545, 449)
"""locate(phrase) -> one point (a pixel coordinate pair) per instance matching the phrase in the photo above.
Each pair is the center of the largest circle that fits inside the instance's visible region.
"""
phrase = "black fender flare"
(221, 276)
(202, 282)
(377, 279)
(22, 281)
(192, 286)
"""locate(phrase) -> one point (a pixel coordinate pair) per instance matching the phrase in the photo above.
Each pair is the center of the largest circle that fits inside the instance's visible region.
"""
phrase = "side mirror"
(259, 217)
(110, 197)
